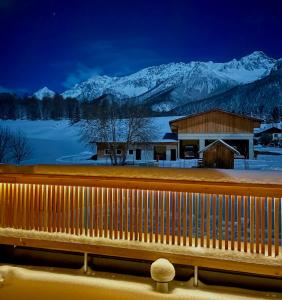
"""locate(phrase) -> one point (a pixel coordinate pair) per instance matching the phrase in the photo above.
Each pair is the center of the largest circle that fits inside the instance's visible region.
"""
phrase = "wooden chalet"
(200, 130)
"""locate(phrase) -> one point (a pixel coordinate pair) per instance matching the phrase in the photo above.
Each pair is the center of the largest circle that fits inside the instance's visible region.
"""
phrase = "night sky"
(59, 43)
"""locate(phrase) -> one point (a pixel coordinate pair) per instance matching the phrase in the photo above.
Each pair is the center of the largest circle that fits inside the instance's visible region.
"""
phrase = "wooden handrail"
(228, 210)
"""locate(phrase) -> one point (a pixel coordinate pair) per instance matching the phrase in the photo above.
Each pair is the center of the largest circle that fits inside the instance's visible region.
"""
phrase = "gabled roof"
(216, 110)
(221, 142)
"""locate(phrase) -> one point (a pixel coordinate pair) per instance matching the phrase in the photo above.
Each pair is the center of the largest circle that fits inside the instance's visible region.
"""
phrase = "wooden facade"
(219, 155)
(215, 121)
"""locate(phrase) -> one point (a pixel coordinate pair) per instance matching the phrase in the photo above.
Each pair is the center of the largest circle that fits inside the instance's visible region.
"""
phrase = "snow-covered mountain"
(44, 92)
(180, 82)
(259, 97)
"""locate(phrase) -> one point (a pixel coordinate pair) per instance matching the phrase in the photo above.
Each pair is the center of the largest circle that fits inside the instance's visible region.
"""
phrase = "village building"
(186, 137)
(274, 132)
(219, 155)
(199, 130)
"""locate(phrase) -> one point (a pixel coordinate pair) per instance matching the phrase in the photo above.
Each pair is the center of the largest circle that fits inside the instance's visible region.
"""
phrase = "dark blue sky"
(58, 43)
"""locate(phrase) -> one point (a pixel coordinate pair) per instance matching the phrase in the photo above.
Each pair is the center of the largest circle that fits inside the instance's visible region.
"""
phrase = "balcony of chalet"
(223, 220)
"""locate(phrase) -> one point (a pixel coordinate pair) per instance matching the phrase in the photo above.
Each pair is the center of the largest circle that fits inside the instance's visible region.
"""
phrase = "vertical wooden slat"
(91, 208)
(196, 218)
(179, 217)
(173, 218)
(220, 222)
(157, 194)
(72, 208)
(54, 208)
(135, 215)
(40, 208)
(100, 209)
(245, 199)
(140, 211)
(106, 203)
(29, 204)
(145, 195)
(262, 225)
(77, 198)
(116, 213)
(252, 224)
(64, 208)
(46, 205)
(184, 216)
(202, 233)
(5, 213)
(208, 199)
(68, 207)
(276, 226)
(9, 205)
(191, 195)
(50, 208)
(214, 221)
(151, 201)
(96, 202)
(81, 210)
(258, 223)
(232, 222)
(131, 214)
(121, 213)
(162, 208)
(2, 208)
(111, 196)
(36, 207)
(226, 201)
(167, 216)
(239, 217)
(269, 226)
(16, 206)
(59, 208)
(126, 203)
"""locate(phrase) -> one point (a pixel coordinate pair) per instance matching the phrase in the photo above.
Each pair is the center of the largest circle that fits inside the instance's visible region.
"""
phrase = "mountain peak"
(44, 92)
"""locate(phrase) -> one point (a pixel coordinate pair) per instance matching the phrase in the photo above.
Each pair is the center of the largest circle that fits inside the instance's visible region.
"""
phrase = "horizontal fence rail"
(226, 221)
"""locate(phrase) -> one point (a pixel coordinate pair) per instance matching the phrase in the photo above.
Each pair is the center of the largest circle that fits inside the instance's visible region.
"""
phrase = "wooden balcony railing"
(225, 210)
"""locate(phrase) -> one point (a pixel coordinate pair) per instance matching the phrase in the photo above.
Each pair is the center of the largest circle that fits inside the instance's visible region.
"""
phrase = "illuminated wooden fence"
(244, 217)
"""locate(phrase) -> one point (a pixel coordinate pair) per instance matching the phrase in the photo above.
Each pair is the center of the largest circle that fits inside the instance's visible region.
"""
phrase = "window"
(118, 151)
(107, 152)
(130, 152)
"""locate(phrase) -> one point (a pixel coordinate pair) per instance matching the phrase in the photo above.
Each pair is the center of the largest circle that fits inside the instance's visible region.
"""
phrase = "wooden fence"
(187, 208)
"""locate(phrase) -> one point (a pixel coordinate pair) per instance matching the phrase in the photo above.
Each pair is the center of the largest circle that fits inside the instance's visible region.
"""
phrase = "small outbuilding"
(219, 155)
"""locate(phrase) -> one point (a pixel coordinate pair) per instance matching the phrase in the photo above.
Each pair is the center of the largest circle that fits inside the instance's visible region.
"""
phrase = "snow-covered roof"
(223, 143)
(162, 128)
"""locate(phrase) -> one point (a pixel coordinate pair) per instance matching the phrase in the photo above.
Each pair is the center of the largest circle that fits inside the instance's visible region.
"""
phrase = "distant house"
(219, 154)
(162, 147)
(184, 137)
(200, 130)
(275, 132)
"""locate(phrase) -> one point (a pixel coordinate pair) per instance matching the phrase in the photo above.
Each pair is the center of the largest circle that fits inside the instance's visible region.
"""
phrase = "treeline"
(13, 107)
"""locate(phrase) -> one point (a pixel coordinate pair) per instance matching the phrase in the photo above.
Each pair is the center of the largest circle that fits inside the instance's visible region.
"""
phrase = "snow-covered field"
(56, 142)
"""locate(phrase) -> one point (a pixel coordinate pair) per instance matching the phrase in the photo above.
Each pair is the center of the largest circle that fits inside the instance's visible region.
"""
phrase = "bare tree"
(5, 143)
(118, 129)
(20, 148)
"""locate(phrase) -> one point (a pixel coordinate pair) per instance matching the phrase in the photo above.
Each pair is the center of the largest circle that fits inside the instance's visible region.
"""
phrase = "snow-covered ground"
(54, 283)
(56, 142)
(49, 140)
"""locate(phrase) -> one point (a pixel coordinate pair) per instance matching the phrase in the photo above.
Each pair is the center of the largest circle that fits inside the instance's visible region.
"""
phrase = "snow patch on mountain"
(44, 92)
